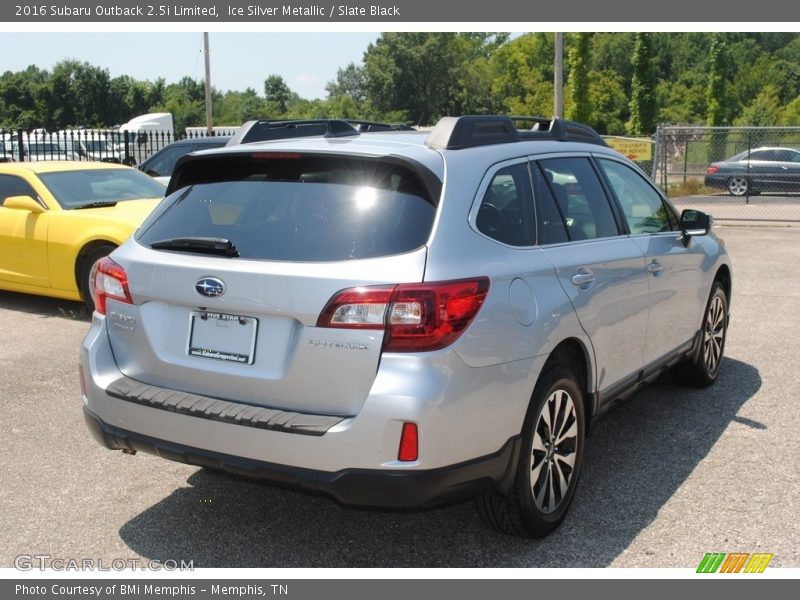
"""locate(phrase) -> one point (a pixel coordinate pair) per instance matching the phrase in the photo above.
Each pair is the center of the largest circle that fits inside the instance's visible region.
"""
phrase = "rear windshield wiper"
(101, 204)
(200, 245)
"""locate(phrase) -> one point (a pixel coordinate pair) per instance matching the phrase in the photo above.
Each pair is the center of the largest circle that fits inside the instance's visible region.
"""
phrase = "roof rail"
(455, 133)
(369, 126)
(265, 130)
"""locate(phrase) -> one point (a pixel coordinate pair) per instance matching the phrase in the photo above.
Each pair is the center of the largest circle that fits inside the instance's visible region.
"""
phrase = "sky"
(306, 61)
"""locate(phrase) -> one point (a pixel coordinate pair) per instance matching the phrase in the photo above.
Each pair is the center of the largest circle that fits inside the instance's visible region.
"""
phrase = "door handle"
(583, 278)
(655, 267)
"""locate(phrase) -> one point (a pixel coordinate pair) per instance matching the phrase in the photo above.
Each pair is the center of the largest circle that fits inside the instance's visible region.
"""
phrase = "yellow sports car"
(57, 219)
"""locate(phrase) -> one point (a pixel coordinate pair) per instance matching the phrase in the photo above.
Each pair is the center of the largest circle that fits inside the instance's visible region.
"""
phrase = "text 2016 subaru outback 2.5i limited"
(402, 319)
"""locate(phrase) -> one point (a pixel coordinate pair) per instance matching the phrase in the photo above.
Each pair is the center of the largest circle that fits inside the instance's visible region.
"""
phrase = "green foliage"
(790, 115)
(522, 75)
(643, 88)
(717, 78)
(277, 92)
(429, 75)
(609, 102)
(351, 82)
(579, 107)
(616, 82)
(682, 101)
(764, 110)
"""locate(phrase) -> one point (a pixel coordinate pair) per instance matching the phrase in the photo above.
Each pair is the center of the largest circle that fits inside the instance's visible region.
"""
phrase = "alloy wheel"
(714, 334)
(555, 445)
(738, 186)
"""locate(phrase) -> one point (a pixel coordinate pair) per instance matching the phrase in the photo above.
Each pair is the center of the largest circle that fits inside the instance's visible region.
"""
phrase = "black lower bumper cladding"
(376, 488)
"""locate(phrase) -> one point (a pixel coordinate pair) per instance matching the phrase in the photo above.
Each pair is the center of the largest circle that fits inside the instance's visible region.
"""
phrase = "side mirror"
(23, 203)
(694, 222)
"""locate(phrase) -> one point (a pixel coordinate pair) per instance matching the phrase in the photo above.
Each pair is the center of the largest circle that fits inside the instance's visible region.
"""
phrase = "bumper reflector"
(409, 443)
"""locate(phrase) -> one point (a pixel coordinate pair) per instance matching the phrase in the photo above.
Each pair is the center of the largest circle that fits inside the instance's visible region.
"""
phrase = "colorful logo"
(736, 562)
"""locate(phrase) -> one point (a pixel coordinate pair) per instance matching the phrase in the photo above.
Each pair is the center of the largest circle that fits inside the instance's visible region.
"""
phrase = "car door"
(788, 168)
(673, 268)
(765, 170)
(23, 237)
(601, 270)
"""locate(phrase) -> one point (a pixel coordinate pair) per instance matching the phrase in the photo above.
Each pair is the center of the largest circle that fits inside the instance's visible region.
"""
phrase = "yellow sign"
(637, 149)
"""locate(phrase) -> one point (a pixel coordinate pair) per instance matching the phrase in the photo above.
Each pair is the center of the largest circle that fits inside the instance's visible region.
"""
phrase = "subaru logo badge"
(210, 287)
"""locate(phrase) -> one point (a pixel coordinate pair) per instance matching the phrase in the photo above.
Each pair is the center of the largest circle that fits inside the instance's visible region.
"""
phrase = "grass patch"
(690, 187)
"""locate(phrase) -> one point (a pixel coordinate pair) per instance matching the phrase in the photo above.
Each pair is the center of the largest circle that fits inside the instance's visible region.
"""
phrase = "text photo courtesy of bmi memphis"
(306, 299)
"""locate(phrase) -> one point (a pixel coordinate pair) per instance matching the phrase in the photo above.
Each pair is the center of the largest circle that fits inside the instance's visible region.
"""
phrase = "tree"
(717, 77)
(429, 75)
(81, 92)
(235, 108)
(579, 98)
(522, 75)
(763, 111)
(715, 97)
(609, 102)
(25, 100)
(350, 81)
(276, 91)
(643, 88)
(186, 101)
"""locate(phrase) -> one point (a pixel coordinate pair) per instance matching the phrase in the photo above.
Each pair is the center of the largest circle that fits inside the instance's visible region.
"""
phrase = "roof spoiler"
(262, 130)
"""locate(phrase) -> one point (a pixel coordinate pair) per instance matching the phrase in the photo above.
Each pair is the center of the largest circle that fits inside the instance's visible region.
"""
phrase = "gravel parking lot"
(669, 476)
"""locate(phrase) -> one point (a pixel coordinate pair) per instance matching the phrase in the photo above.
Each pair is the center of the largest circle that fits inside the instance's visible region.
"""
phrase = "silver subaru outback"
(401, 319)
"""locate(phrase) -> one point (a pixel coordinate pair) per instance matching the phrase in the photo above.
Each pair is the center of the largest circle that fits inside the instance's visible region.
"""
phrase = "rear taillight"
(417, 317)
(110, 281)
(712, 169)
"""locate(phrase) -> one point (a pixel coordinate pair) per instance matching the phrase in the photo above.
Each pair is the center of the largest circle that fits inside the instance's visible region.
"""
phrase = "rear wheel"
(85, 272)
(738, 186)
(550, 460)
(703, 369)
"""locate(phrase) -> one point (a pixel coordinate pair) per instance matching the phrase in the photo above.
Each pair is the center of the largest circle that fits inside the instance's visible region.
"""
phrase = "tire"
(703, 368)
(85, 272)
(739, 186)
(539, 500)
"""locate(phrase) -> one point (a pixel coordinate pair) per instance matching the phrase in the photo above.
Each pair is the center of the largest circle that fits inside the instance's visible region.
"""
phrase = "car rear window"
(289, 207)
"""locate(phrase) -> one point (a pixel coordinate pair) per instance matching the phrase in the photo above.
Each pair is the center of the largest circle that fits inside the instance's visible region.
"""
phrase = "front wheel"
(549, 463)
(703, 368)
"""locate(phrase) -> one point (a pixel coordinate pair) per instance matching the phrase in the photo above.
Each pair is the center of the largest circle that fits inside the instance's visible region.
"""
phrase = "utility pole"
(558, 75)
(209, 118)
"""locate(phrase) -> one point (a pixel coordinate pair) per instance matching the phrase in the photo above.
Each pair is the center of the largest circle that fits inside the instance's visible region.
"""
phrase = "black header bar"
(402, 11)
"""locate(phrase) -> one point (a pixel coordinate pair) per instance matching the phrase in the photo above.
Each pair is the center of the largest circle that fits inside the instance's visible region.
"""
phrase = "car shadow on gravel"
(44, 307)
(636, 460)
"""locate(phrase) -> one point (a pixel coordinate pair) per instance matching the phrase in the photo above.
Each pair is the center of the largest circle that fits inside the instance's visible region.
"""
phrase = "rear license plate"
(231, 338)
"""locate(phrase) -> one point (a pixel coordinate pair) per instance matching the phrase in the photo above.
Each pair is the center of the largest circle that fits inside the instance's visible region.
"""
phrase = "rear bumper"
(385, 488)
(716, 181)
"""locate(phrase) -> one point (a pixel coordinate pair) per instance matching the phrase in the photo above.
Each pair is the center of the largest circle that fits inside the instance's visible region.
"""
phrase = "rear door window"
(580, 197)
(287, 207)
(551, 226)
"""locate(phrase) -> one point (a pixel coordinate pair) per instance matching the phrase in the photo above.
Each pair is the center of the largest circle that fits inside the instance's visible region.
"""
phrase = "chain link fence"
(733, 173)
